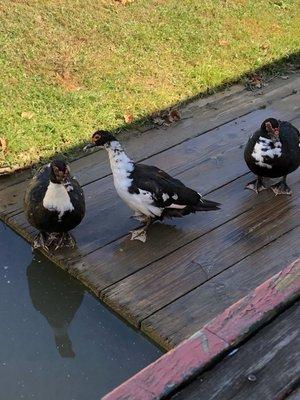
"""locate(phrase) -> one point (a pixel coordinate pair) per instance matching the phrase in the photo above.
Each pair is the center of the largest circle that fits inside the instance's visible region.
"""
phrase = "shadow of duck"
(57, 296)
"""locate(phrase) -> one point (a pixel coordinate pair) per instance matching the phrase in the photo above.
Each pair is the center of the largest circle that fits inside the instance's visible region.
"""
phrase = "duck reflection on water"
(57, 296)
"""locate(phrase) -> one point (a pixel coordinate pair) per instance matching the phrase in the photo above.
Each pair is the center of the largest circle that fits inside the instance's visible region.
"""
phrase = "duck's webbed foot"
(41, 241)
(64, 239)
(281, 188)
(54, 240)
(256, 185)
(141, 233)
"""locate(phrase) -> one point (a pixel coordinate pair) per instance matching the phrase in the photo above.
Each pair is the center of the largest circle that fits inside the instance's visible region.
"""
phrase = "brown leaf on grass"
(27, 114)
(128, 118)
(165, 118)
(174, 116)
(223, 42)
(254, 81)
(124, 2)
(67, 81)
(264, 46)
(3, 144)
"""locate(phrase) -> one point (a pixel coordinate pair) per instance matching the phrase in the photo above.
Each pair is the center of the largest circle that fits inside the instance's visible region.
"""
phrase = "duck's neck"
(121, 165)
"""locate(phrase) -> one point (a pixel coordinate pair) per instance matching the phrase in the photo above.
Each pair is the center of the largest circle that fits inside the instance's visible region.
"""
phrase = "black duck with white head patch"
(150, 192)
(54, 204)
(273, 151)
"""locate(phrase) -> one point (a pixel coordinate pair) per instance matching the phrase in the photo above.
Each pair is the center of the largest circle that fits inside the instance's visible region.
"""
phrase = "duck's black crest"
(100, 137)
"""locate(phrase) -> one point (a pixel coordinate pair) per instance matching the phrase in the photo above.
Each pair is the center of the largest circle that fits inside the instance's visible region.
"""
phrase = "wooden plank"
(13, 179)
(151, 288)
(265, 367)
(123, 257)
(294, 395)
(180, 319)
(186, 361)
(93, 167)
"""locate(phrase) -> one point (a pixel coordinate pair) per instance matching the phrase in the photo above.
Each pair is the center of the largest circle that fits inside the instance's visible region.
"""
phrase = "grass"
(69, 66)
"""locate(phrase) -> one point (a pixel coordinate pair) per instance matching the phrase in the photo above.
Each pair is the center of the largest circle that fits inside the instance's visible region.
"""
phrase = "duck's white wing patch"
(57, 199)
(165, 196)
(179, 206)
(264, 149)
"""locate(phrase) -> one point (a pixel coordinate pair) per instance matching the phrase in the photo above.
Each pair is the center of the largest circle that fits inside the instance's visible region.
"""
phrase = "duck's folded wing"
(165, 190)
(37, 186)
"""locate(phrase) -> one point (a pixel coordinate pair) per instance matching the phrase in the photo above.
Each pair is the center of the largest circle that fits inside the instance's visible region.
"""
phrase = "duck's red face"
(272, 130)
(100, 139)
(60, 172)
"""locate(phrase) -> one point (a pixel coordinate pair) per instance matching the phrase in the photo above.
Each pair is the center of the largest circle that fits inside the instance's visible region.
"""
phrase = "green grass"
(68, 66)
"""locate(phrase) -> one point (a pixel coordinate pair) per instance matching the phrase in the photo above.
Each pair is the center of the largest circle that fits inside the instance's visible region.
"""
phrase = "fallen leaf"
(124, 2)
(158, 120)
(27, 114)
(174, 116)
(264, 46)
(223, 42)
(3, 144)
(254, 81)
(128, 118)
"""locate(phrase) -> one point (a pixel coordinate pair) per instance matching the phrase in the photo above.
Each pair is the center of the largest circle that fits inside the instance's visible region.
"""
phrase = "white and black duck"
(150, 192)
(273, 151)
(54, 204)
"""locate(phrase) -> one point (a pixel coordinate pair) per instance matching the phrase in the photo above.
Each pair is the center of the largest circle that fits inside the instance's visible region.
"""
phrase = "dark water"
(57, 342)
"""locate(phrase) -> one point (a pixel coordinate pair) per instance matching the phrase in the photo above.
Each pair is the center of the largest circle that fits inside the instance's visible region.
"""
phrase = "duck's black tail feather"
(207, 205)
(203, 205)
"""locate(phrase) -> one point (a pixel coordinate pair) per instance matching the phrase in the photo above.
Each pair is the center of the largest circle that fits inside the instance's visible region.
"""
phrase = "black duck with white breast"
(273, 151)
(54, 204)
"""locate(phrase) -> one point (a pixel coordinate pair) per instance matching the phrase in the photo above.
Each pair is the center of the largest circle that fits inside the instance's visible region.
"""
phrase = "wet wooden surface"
(192, 268)
(266, 367)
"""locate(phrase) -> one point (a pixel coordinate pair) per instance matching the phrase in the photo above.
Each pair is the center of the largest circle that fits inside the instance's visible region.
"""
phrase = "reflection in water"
(57, 297)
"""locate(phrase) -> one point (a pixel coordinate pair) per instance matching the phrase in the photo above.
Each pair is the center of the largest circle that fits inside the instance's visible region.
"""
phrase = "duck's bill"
(88, 146)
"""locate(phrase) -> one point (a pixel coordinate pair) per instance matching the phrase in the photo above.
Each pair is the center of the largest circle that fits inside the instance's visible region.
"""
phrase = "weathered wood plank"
(294, 395)
(265, 367)
(180, 319)
(163, 377)
(153, 287)
(93, 167)
(124, 257)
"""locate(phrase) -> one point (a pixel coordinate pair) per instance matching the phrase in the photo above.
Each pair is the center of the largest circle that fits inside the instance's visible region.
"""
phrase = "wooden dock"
(190, 269)
(266, 367)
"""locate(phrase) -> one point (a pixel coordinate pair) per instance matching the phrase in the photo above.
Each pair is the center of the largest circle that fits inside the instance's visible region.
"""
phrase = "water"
(57, 342)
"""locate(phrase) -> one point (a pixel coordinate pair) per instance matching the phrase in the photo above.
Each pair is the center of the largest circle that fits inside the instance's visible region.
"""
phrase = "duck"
(54, 204)
(273, 152)
(149, 191)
